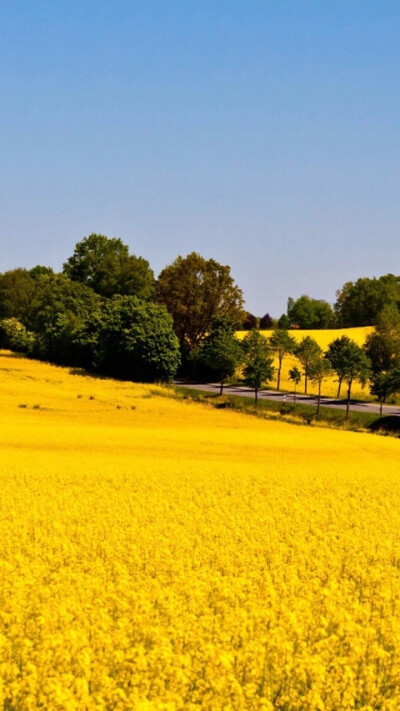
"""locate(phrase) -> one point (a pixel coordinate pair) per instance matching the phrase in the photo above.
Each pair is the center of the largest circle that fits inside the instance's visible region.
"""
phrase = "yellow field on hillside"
(157, 554)
(323, 338)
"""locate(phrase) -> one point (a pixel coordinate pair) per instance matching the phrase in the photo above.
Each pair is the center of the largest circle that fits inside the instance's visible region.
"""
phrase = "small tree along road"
(258, 367)
(220, 350)
(308, 351)
(281, 344)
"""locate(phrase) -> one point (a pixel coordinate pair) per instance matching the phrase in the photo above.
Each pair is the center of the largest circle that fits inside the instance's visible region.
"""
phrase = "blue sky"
(264, 134)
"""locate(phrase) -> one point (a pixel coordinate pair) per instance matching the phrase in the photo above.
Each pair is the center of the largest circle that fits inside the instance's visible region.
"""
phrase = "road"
(275, 396)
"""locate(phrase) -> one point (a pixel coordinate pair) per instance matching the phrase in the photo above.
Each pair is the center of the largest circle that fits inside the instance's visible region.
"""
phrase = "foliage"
(360, 303)
(266, 322)
(106, 266)
(319, 370)
(249, 322)
(17, 288)
(307, 352)
(258, 367)
(55, 294)
(382, 346)
(15, 336)
(310, 313)
(284, 322)
(195, 290)
(355, 365)
(337, 354)
(220, 350)
(384, 385)
(136, 341)
(281, 343)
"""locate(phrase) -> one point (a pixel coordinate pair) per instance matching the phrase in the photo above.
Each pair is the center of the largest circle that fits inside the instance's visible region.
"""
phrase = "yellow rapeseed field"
(323, 338)
(157, 554)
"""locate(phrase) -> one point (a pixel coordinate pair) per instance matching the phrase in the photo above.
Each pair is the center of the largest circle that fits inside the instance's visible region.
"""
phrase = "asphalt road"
(275, 396)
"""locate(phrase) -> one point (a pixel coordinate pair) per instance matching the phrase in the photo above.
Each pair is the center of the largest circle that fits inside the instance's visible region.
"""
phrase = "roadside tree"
(319, 370)
(220, 350)
(258, 362)
(295, 377)
(307, 352)
(281, 343)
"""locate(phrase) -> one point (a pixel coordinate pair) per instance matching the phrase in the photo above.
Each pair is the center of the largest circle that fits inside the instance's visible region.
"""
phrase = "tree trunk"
(319, 397)
(339, 386)
(256, 396)
(305, 383)
(278, 382)
(381, 409)
(348, 401)
(294, 399)
(221, 389)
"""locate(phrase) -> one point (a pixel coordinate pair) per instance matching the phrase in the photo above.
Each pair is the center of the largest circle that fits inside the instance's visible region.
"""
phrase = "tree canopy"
(106, 266)
(195, 290)
(258, 363)
(360, 303)
(220, 350)
(306, 312)
(307, 352)
(281, 344)
(382, 346)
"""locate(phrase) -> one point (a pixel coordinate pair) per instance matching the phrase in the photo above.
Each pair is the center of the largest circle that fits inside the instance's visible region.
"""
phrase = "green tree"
(356, 366)
(136, 341)
(319, 370)
(249, 322)
(258, 362)
(220, 350)
(384, 385)
(195, 290)
(307, 352)
(55, 294)
(281, 343)
(382, 346)
(310, 313)
(266, 322)
(337, 356)
(106, 266)
(295, 377)
(15, 336)
(359, 303)
(17, 288)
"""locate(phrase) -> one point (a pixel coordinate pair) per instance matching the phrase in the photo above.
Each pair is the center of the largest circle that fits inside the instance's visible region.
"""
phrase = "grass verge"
(268, 409)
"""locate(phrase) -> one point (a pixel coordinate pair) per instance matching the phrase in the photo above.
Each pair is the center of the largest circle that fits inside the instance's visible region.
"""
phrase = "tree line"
(106, 312)
(377, 362)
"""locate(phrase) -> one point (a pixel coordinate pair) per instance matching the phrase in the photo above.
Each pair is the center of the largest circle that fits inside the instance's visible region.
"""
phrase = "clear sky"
(263, 133)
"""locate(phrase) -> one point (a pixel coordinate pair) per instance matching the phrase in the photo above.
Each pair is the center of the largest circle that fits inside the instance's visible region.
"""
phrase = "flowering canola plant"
(158, 554)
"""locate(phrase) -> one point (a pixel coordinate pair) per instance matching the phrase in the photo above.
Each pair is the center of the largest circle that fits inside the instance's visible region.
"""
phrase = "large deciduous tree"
(258, 362)
(359, 303)
(195, 290)
(136, 341)
(306, 312)
(107, 267)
